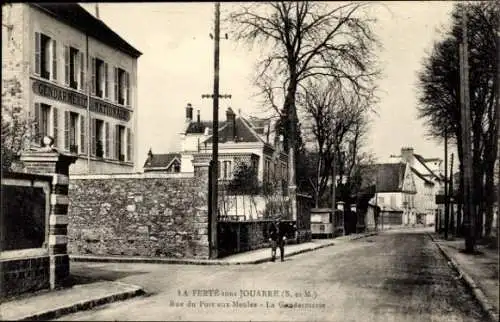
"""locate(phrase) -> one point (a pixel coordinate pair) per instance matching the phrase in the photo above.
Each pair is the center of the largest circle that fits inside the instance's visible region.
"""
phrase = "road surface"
(398, 276)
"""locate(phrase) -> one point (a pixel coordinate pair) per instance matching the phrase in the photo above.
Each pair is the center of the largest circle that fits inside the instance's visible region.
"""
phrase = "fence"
(239, 236)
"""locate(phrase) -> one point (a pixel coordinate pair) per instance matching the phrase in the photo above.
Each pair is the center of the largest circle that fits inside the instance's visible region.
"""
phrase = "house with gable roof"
(429, 180)
(166, 162)
(394, 187)
(241, 139)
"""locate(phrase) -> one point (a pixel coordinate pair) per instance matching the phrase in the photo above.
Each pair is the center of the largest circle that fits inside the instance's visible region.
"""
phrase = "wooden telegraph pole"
(451, 200)
(446, 206)
(468, 207)
(213, 210)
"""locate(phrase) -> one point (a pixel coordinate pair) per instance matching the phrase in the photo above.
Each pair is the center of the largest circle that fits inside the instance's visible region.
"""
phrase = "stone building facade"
(76, 81)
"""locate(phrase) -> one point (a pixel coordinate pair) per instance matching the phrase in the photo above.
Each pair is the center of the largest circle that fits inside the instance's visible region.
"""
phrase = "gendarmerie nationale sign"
(80, 100)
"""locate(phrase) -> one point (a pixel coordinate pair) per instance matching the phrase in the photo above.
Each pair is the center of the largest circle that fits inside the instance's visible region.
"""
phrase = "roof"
(242, 131)
(76, 16)
(421, 176)
(422, 160)
(387, 177)
(245, 132)
(198, 128)
(161, 160)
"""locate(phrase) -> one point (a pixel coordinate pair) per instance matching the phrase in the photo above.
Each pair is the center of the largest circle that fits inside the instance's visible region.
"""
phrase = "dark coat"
(277, 232)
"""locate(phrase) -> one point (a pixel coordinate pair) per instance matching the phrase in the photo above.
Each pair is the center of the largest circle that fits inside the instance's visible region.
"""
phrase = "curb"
(469, 282)
(143, 260)
(85, 305)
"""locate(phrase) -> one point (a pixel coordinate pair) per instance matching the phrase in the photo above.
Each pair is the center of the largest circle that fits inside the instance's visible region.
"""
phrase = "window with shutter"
(54, 59)
(106, 81)
(66, 65)
(93, 142)
(54, 126)
(93, 88)
(38, 50)
(107, 147)
(36, 124)
(82, 72)
(129, 145)
(66, 130)
(83, 147)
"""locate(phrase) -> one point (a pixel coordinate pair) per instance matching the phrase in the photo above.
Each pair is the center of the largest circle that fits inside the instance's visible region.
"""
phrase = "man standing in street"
(277, 237)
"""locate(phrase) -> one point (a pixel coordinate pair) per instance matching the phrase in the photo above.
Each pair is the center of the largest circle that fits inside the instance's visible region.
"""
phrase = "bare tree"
(306, 40)
(336, 122)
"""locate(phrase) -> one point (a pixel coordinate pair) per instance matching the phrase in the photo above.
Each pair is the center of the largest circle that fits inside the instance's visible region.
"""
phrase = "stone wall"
(139, 215)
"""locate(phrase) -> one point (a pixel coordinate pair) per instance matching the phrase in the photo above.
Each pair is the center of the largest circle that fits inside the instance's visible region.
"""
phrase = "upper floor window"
(45, 56)
(100, 79)
(122, 86)
(74, 68)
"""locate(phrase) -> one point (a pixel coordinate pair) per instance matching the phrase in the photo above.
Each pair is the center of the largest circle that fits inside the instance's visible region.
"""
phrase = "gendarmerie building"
(76, 80)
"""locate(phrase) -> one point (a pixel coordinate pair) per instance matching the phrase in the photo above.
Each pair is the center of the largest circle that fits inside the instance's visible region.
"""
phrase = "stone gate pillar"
(206, 225)
(48, 161)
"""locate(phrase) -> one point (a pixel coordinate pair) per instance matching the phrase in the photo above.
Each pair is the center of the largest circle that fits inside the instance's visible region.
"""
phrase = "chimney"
(230, 118)
(407, 155)
(198, 116)
(189, 113)
(97, 10)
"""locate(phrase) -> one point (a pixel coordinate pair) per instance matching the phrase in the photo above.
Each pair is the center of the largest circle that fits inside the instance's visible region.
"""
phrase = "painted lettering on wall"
(80, 100)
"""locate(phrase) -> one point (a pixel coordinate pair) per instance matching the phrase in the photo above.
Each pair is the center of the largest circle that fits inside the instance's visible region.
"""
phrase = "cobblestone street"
(395, 276)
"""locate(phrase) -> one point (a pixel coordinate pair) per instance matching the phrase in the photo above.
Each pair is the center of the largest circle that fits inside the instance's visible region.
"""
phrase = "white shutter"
(107, 147)
(54, 59)
(127, 89)
(106, 81)
(76, 69)
(66, 65)
(82, 72)
(37, 124)
(129, 145)
(116, 84)
(55, 120)
(93, 88)
(117, 142)
(38, 53)
(66, 130)
(93, 143)
(82, 134)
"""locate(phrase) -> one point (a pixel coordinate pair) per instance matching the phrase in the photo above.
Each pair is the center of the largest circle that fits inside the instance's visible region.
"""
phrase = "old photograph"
(250, 161)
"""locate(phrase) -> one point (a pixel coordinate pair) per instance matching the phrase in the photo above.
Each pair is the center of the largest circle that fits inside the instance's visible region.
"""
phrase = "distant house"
(169, 162)
(395, 191)
(241, 139)
(429, 181)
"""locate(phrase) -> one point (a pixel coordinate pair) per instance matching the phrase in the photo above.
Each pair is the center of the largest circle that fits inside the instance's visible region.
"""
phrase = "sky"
(176, 68)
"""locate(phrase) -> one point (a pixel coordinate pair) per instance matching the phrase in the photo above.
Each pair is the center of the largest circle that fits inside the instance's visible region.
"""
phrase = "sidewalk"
(479, 271)
(48, 305)
(251, 257)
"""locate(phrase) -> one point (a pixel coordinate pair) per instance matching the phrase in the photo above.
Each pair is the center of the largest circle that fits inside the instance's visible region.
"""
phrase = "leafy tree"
(15, 125)
(439, 95)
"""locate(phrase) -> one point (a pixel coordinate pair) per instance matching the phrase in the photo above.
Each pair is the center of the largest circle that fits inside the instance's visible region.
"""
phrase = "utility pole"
(468, 207)
(446, 208)
(450, 197)
(213, 210)
(215, 142)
